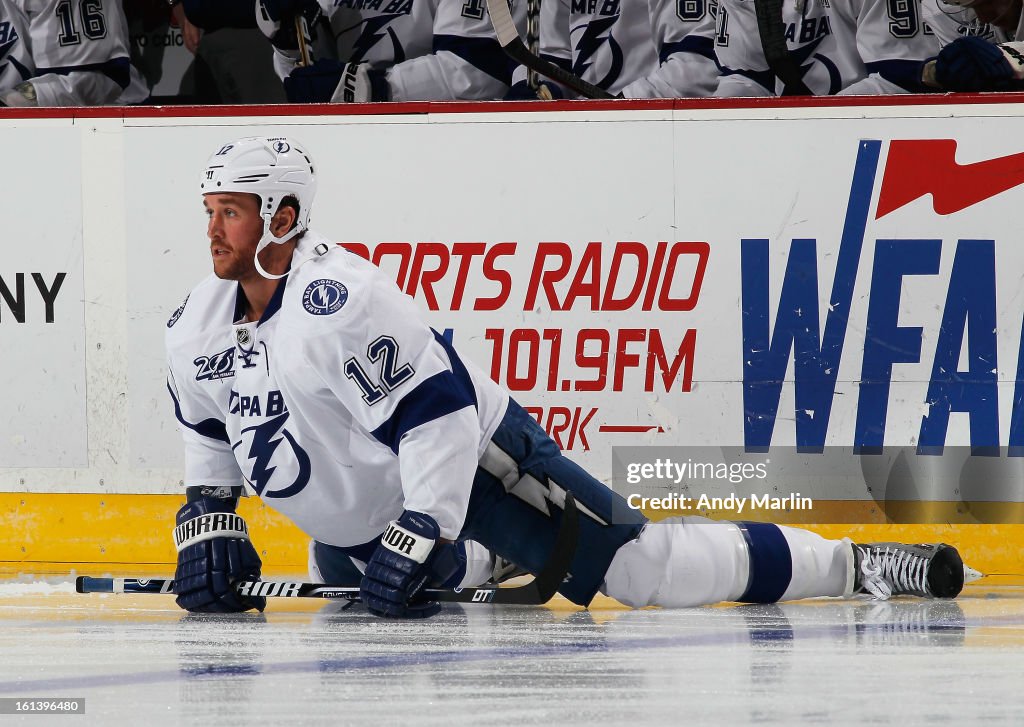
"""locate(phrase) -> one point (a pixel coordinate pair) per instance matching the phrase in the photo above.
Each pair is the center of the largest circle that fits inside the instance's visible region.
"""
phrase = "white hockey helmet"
(272, 168)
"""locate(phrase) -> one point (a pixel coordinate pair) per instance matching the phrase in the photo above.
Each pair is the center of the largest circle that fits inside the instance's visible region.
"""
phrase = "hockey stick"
(773, 42)
(538, 591)
(304, 40)
(508, 38)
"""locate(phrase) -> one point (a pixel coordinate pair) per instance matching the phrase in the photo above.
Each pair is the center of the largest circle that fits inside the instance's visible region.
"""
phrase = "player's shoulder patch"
(324, 296)
(177, 314)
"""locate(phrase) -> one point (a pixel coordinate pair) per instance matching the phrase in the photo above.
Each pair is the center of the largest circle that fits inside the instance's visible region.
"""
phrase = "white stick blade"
(501, 19)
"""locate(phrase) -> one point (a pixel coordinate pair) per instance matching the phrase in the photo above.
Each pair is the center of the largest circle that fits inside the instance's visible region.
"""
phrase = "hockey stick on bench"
(512, 44)
(538, 591)
(781, 63)
(302, 35)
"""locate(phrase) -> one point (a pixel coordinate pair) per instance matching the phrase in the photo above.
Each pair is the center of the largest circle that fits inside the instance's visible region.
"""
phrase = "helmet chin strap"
(269, 238)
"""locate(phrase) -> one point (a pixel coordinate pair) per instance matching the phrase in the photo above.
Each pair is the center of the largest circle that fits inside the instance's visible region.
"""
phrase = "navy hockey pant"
(512, 511)
(513, 515)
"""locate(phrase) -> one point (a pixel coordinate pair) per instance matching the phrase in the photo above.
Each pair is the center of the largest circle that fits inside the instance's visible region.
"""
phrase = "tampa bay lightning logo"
(806, 56)
(374, 30)
(590, 43)
(323, 297)
(281, 146)
(177, 314)
(265, 442)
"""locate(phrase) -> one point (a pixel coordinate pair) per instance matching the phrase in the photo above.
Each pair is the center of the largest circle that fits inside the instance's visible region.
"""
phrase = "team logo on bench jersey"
(324, 297)
(177, 314)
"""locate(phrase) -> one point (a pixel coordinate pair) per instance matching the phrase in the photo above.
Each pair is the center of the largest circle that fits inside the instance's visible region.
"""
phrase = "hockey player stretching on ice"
(303, 368)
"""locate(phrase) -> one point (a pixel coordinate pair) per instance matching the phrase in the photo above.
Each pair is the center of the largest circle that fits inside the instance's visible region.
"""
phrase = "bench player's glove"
(522, 91)
(409, 557)
(973, 64)
(330, 81)
(214, 553)
(24, 94)
(276, 20)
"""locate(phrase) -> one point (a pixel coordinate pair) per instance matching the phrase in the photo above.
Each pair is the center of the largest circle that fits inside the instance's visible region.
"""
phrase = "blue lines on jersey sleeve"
(211, 428)
(905, 74)
(116, 69)
(483, 53)
(696, 44)
(433, 398)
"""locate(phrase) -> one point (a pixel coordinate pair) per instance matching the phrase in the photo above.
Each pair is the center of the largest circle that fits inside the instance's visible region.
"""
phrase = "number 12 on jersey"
(383, 351)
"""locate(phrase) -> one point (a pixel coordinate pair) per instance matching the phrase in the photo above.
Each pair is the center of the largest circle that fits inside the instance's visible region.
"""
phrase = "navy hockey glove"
(973, 64)
(276, 20)
(214, 553)
(521, 91)
(408, 558)
(330, 81)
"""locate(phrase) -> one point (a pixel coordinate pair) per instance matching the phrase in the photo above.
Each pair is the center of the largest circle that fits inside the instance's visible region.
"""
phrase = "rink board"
(837, 280)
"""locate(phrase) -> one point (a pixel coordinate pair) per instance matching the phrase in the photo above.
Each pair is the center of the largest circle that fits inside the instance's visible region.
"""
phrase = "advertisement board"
(832, 294)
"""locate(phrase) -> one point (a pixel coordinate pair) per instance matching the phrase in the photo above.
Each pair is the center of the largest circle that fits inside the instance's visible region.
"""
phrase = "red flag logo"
(928, 166)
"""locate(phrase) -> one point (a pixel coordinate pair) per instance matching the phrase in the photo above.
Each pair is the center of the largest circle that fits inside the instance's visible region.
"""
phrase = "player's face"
(1002, 13)
(234, 228)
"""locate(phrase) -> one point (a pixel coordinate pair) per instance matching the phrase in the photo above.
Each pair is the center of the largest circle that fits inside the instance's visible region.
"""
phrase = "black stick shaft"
(508, 38)
(538, 591)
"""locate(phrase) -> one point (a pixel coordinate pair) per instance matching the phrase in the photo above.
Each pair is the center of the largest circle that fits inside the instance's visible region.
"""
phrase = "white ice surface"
(138, 660)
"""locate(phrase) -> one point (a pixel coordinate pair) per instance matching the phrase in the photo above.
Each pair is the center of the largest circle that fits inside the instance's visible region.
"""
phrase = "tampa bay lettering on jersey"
(808, 30)
(392, 7)
(251, 406)
(964, 368)
(598, 7)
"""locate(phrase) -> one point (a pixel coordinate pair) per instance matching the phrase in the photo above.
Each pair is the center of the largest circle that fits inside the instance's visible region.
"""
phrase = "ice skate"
(930, 570)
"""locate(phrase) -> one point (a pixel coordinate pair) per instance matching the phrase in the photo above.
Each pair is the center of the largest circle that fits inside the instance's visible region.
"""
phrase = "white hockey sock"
(479, 565)
(820, 567)
(680, 562)
(315, 576)
(694, 561)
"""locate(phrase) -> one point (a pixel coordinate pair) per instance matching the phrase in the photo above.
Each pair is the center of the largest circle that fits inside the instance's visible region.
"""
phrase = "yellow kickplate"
(97, 533)
(104, 529)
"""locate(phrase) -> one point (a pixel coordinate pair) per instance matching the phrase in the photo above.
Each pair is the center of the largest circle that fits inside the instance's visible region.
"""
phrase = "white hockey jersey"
(80, 51)
(849, 47)
(434, 50)
(950, 22)
(16, 63)
(639, 48)
(340, 407)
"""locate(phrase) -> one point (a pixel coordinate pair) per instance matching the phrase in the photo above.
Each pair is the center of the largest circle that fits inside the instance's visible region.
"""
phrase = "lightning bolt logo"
(806, 54)
(373, 34)
(591, 42)
(261, 451)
